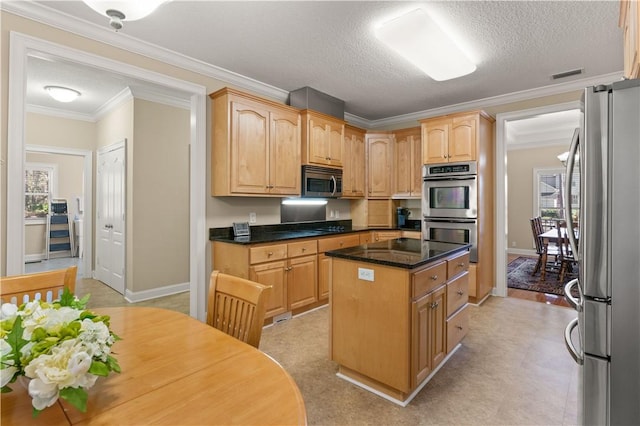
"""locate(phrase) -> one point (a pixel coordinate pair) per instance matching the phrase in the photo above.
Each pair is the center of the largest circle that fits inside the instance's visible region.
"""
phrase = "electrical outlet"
(252, 217)
(365, 274)
(337, 214)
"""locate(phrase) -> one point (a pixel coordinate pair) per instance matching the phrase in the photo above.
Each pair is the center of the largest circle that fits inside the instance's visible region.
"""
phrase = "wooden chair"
(567, 259)
(536, 230)
(237, 306)
(47, 286)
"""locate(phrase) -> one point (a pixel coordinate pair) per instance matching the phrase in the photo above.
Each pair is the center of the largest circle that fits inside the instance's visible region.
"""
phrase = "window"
(39, 185)
(548, 203)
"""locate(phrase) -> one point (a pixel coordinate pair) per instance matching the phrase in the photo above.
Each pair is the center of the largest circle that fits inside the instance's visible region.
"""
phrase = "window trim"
(52, 169)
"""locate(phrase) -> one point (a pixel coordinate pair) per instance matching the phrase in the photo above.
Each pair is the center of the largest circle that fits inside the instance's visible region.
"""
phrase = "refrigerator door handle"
(573, 150)
(574, 302)
(579, 359)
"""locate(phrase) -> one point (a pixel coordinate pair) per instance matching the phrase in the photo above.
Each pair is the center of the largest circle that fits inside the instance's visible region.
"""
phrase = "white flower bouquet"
(61, 346)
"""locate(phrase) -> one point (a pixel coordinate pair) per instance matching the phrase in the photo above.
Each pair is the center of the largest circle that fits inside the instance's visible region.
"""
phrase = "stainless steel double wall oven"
(450, 204)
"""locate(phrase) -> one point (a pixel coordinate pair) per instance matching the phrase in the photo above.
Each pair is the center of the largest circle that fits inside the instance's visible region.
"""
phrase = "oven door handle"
(428, 219)
(442, 179)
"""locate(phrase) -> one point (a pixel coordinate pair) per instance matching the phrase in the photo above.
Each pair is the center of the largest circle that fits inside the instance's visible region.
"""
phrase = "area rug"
(519, 276)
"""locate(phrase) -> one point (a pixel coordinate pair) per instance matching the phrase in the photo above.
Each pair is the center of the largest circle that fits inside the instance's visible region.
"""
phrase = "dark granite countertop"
(405, 253)
(290, 231)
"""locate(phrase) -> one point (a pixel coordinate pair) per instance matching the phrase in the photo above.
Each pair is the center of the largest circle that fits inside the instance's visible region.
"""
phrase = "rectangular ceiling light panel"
(420, 40)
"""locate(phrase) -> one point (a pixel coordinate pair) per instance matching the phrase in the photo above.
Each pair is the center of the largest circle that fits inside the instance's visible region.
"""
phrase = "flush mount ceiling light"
(62, 94)
(119, 11)
(422, 41)
(304, 202)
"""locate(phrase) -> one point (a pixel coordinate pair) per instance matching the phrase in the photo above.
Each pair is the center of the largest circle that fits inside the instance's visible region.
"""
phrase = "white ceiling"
(329, 45)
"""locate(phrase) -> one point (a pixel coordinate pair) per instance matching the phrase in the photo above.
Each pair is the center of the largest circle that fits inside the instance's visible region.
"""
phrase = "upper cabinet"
(379, 165)
(353, 176)
(255, 146)
(630, 22)
(451, 138)
(408, 163)
(323, 139)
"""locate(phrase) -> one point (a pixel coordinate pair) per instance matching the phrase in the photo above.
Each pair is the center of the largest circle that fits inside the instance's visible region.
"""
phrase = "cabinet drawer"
(302, 248)
(457, 328)
(428, 279)
(457, 293)
(386, 235)
(457, 265)
(267, 253)
(335, 243)
(416, 235)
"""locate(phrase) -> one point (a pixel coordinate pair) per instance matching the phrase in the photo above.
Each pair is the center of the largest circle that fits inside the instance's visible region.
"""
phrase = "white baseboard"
(154, 293)
(522, 252)
(33, 257)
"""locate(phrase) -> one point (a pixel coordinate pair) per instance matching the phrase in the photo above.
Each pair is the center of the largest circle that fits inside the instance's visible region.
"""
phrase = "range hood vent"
(309, 98)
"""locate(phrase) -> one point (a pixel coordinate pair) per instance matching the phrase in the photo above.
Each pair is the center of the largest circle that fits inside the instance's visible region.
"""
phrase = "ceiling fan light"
(62, 94)
(119, 11)
(419, 39)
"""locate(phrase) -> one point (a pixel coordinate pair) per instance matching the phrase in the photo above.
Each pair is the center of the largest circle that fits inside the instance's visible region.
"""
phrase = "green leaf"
(76, 397)
(6, 389)
(67, 298)
(15, 340)
(99, 368)
(113, 364)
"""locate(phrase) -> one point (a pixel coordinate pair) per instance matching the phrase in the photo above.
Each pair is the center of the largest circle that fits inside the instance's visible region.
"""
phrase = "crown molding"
(151, 95)
(63, 21)
(113, 103)
(60, 113)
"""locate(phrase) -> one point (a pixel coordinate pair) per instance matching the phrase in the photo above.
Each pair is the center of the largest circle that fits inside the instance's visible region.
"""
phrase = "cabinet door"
(302, 287)
(421, 339)
(284, 164)
(273, 274)
(403, 165)
(416, 166)
(357, 164)
(438, 326)
(435, 141)
(318, 141)
(249, 149)
(324, 275)
(335, 135)
(380, 160)
(462, 142)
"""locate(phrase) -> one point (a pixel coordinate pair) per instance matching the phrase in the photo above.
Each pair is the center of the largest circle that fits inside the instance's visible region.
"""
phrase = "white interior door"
(110, 213)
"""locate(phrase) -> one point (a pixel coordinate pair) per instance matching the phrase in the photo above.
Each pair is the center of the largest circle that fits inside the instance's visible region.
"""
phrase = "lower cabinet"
(429, 338)
(273, 274)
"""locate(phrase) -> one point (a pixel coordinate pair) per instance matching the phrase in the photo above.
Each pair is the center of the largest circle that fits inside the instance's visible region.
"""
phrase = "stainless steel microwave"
(322, 182)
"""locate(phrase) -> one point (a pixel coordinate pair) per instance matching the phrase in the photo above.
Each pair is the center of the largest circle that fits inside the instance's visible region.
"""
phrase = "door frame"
(87, 224)
(502, 121)
(20, 47)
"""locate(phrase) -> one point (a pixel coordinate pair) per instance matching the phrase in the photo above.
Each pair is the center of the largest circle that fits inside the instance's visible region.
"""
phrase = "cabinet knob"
(434, 277)
(341, 244)
(460, 292)
(435, 305)
(461, 265)
(288, 268)
(303, 249)
(270, 254)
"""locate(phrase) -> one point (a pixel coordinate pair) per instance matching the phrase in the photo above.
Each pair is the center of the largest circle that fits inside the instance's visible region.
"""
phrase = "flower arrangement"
(61, 346)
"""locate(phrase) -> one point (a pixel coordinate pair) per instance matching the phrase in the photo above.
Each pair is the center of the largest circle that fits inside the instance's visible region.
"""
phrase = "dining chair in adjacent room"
(46, 286)
(536, 230)
(237, 306)
(567, 259)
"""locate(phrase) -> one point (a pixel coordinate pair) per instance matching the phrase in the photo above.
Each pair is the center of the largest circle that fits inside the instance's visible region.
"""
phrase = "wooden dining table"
(176, 370)
(551, 236)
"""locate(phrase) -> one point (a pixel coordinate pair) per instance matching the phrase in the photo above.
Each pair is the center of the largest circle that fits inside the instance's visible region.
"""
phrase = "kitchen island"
(398, 312)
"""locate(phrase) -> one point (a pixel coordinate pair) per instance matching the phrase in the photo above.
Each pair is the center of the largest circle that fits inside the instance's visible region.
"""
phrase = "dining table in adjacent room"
(551, 236)
(176, 370)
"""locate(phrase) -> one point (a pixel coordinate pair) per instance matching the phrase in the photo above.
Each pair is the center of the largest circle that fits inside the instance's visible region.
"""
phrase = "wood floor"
(549, 299)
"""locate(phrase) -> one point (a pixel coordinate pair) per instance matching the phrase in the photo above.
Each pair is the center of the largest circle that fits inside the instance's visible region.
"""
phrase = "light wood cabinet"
(323, 139)
(451, 138)
(416, 235)
(385, 235)
(353, 177)
(379, 165)
(630, 24)
(255, 146)
(273, 274)
(302, 279)
(324, 262)
(408, 163)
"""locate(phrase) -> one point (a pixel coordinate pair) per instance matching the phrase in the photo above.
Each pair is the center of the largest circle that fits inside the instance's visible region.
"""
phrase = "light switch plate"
(365, 274)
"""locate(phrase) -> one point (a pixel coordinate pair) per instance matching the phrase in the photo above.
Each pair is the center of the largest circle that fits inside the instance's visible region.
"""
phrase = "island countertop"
(405, 253)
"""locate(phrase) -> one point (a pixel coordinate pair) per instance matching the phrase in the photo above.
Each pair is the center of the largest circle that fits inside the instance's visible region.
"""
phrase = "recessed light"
(62, 94)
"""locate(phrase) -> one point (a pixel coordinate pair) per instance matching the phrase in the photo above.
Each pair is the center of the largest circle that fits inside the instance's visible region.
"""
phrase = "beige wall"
(70, 174)
(520, 166)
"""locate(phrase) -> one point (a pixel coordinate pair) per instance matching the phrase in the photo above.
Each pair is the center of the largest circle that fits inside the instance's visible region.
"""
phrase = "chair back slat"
(536, 230)
(47, 286)
(236, 306)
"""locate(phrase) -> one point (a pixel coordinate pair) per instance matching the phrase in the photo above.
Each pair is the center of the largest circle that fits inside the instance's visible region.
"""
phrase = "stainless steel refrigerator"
(604, 339)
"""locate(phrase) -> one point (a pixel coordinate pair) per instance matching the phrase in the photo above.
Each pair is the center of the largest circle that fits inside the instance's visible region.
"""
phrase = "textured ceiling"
(329, 45)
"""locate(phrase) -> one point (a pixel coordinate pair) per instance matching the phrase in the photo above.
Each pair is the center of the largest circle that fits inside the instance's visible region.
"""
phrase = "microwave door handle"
(575, 142)
(335, 185)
